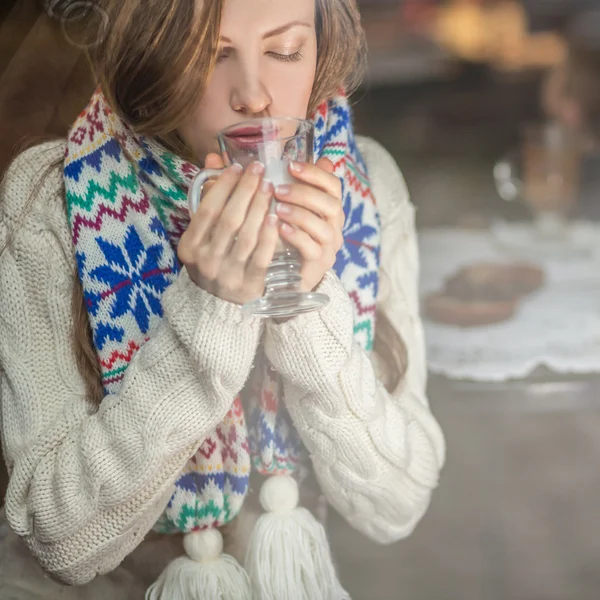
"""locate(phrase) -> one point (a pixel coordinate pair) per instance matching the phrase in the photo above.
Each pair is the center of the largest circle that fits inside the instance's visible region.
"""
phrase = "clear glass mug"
(545, 174)
(275, 142)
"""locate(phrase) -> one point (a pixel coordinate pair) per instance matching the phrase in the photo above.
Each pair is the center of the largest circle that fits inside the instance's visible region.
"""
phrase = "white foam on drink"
(276, 172)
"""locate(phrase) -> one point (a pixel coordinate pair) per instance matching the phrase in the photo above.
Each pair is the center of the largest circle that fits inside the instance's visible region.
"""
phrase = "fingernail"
(296, 167)
(271, 220)
(266, 187)
(256, 168)
(283, 209)
(282, 190)
(236, 168)
(285, 228)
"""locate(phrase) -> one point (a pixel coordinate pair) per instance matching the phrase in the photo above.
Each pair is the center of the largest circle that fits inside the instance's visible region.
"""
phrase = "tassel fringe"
(205, 574)
(288, 554)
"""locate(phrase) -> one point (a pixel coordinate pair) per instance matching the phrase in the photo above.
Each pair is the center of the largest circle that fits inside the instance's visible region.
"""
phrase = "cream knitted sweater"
(86, 485)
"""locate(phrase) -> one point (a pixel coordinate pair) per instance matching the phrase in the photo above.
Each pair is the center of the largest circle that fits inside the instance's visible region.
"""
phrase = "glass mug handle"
(195, 191)
(506, 177)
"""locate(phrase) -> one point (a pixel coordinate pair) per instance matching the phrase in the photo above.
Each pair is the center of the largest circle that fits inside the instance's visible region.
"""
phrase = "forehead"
(259, 16)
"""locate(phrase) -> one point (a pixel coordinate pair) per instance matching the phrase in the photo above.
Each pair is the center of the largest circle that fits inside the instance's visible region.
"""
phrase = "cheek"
(292, 84)
(292, 89)
(198, 130)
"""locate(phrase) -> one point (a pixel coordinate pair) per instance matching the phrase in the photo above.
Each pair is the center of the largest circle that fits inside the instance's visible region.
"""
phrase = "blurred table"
(515, 515)
(521, 489)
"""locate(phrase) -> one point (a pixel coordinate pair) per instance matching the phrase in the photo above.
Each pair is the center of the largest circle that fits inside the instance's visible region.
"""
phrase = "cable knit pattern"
(87, 486)
(377, 455)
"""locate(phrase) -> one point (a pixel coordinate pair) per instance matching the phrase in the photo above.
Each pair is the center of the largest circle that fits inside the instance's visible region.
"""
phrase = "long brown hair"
(153, 59)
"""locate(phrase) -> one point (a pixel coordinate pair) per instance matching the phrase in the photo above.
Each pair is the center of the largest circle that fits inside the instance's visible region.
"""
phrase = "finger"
(248, 234)
(318, 175)
(311, 198)
(265, 250)
(306, 220)
(234, 214)
(325, 164)
(203, 221)
(213, 161)
(309, 249)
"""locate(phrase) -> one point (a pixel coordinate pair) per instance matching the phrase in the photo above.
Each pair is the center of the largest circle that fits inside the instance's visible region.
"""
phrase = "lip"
(245, 132)
(249, 136)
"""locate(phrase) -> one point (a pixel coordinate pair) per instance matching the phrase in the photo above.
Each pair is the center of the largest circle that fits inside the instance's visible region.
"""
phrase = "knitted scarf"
(127, 208)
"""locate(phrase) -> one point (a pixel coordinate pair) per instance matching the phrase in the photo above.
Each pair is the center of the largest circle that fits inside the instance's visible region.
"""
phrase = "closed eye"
(295, 57)
(223, 55)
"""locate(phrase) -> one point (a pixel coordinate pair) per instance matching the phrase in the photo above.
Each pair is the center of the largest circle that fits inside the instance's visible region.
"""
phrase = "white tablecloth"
(557, 327)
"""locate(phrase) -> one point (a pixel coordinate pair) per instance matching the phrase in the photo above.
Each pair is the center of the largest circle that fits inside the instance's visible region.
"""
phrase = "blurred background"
(453, 90)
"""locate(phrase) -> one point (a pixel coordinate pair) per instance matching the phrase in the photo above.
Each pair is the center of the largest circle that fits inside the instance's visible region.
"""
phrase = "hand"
(231, 241)
(313, 218)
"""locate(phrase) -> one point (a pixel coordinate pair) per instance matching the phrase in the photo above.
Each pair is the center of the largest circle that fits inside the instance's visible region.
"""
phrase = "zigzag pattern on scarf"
(127, 208)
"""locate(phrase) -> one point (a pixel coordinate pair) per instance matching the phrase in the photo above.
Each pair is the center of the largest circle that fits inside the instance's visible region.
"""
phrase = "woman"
(135, 395)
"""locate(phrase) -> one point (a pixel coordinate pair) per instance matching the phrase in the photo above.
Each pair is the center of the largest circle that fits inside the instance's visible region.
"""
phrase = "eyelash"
(295, 57)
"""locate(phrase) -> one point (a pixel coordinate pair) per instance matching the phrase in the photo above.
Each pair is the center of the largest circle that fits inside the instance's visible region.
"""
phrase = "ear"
(213, 161)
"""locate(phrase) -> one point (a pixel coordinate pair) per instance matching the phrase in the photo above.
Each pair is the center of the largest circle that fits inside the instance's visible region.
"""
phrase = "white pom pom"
(203, 546)
(206, 575)
(279, 494)
(288, 554)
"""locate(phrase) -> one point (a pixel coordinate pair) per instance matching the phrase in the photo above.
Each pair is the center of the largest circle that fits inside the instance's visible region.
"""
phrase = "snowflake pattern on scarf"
(127, 209)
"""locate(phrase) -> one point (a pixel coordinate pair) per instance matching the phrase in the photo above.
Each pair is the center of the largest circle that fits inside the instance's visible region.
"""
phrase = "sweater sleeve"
(377, 455)
(86, 483)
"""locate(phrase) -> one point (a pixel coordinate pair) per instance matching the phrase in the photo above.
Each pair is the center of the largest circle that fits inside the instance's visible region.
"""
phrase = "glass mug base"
(283, 297)
(285, 304)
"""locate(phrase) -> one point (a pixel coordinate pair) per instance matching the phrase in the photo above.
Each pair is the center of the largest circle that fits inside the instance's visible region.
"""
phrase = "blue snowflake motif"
(134, 278)
(369, 280)
(158, 228)
(319, 138)
(356, 236)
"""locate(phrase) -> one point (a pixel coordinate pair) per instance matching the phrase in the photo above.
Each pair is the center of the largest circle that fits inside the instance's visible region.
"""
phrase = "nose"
(250, 95)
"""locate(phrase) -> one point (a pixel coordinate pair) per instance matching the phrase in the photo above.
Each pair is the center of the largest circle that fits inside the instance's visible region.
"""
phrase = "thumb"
(325, 164)
(213, 161)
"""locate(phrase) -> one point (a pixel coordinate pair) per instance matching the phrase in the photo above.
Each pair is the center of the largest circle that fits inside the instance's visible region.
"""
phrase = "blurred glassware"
(545, 174)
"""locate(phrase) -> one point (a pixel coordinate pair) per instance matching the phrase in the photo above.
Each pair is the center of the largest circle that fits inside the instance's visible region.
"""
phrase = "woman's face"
(266, 67)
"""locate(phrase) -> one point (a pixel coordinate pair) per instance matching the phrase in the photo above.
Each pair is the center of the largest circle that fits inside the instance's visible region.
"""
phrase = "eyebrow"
(277, 31)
